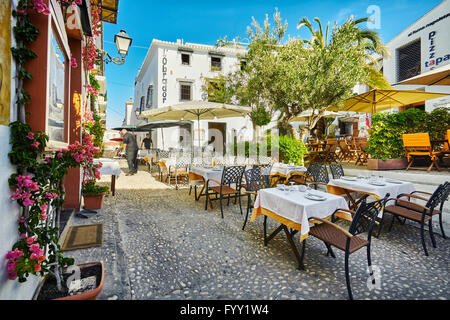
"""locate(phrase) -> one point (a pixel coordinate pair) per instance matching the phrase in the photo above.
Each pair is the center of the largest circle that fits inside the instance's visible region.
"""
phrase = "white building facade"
(422, 47)
(175, 72)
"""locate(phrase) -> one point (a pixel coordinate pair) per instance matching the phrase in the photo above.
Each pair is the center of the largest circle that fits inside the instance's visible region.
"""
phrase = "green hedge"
(290, 149)
(387, 129)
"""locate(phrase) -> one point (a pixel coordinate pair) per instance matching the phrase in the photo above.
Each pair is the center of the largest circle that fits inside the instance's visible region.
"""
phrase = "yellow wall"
(5, 61)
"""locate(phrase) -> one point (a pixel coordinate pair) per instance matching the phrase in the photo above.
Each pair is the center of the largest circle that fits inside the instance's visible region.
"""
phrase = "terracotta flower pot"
(88, 295)
(93, 202)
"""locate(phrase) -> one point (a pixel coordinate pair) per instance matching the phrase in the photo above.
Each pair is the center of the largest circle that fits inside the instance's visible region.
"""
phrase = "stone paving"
(160, 244)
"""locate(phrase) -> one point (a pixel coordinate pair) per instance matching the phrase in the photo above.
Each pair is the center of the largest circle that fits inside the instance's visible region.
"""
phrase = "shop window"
(409, 61)
(57, 86)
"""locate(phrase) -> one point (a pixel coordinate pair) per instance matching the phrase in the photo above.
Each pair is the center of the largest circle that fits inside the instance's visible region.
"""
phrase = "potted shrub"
(93, 195)
(81, 282)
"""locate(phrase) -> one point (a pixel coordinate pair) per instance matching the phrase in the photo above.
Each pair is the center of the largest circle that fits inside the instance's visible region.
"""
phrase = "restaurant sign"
(164, 79)
(433, 60)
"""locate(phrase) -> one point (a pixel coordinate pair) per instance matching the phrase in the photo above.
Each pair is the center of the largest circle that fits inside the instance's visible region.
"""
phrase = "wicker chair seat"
(412, 206)
(226, 190)
(336, 238)
(406, 213)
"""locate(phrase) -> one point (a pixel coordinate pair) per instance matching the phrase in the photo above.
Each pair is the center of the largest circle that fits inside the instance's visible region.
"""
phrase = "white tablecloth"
(284, 169)
(110, 167)
(294, 207)
(363, 185)
(208, 173)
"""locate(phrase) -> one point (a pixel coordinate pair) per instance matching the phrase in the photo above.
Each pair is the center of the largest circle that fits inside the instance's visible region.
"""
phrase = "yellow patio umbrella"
(380, 100)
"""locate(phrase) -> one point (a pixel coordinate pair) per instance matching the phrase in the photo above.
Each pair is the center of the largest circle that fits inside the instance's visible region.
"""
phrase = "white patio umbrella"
(197, 110)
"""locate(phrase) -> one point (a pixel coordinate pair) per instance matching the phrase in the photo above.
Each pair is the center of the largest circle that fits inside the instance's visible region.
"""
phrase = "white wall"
(10, 212)
(440, 41)
(200, 67)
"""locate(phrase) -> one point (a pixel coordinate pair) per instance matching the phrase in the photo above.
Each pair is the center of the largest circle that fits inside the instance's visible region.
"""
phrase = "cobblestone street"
(159, 243)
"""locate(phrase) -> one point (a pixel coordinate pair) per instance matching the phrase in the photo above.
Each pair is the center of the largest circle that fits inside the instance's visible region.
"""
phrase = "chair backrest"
(343, 145)
(183, 162)
(417, 141)
(232, 175)
(337, 171)
(256, 180)
(439, 196)
(266, 169)
(162, 154)
(319, 172)
(364, 218)
(447, 144)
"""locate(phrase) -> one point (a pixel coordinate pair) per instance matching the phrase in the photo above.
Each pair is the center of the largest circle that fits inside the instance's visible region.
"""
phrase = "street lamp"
(123, 42)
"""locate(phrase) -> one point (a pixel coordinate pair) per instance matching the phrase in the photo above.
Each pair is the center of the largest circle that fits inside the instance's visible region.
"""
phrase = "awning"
(109, 10)
(437, 77)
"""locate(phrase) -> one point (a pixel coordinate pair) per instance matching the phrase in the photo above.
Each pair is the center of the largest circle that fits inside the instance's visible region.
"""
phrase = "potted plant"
(93, 195)
(81, 282)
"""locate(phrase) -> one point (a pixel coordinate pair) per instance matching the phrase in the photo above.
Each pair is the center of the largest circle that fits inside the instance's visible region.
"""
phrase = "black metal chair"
(255, 180)
(416, 212)
(317, 174)
(349, 241)
(435, 212)
(230, 176)
(337, 171)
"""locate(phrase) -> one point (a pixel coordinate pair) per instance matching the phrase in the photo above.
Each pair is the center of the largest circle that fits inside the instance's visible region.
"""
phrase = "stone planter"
(389, 164)
(93, 202)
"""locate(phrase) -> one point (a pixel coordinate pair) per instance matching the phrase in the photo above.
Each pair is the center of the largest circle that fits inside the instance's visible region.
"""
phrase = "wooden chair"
(419, 145)
(346, 152)
(329, 154)
(348, 241)
(419, 213)
(361, 155)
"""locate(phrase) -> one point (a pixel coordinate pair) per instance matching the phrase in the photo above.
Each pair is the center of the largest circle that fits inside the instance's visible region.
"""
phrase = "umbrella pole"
(198, 122)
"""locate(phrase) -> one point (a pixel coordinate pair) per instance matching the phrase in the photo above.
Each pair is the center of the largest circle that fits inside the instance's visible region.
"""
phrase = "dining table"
(368, 186)
(292, 208)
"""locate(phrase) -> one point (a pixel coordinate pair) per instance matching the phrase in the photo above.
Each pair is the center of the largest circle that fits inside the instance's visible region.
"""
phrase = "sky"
(207, 21)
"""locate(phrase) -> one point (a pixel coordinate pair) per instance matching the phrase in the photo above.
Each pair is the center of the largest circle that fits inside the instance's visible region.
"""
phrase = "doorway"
(218, 131)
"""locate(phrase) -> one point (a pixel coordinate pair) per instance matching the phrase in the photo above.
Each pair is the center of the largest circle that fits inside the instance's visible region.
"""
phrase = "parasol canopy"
(380, 100)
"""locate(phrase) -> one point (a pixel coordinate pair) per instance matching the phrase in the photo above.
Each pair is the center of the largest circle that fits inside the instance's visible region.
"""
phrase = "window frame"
(398, 51)
(55, 30)
(189, 58)
(214, 68)
(185, 84)
(149, 102)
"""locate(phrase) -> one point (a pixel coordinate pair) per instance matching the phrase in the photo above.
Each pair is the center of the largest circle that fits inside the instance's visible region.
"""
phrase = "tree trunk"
(303, 134)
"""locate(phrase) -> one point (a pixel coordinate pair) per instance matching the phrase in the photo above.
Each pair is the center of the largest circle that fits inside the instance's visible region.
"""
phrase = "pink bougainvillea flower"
(73, 62)
(36, 144)
(28, 202)
(30, 136)
(32, 240)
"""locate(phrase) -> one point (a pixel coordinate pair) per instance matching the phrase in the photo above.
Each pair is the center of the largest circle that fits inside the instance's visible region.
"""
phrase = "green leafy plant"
(91, 189)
